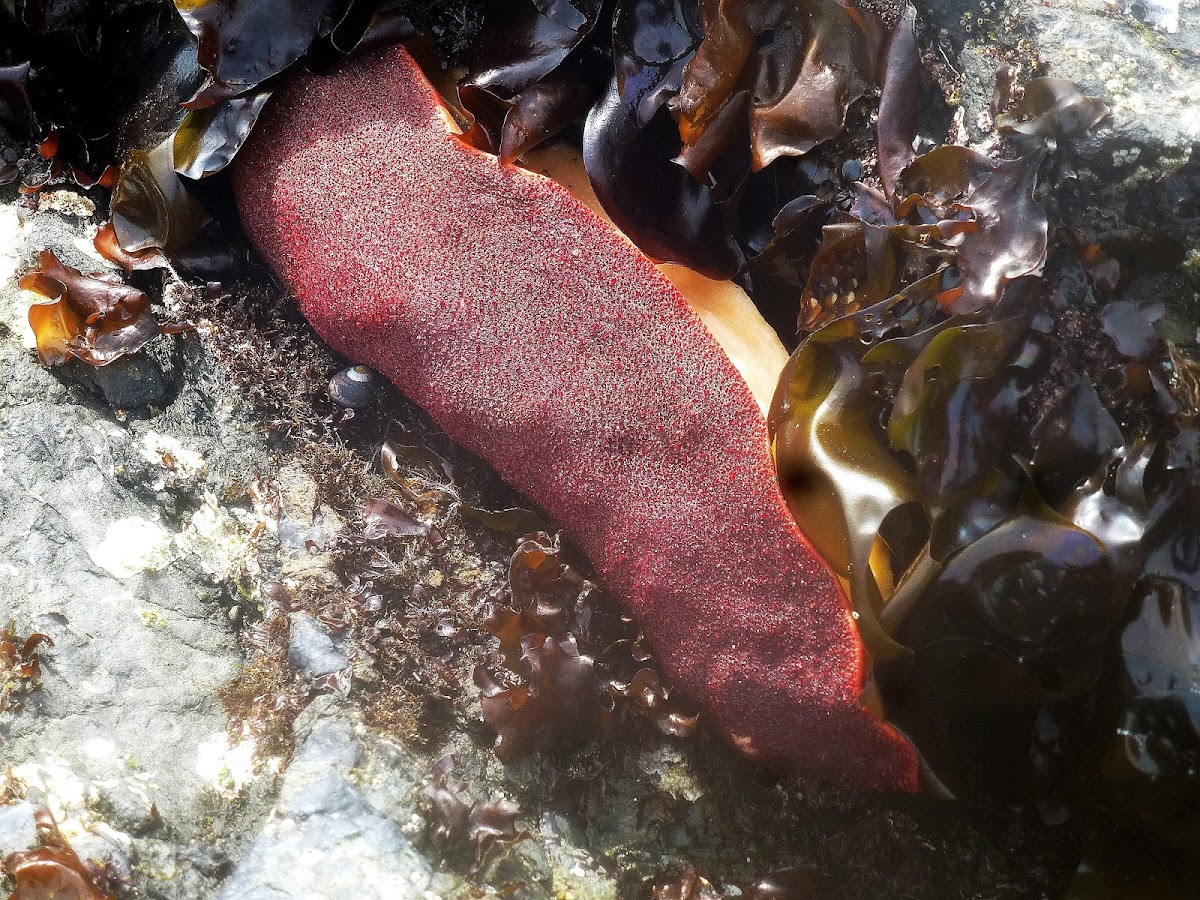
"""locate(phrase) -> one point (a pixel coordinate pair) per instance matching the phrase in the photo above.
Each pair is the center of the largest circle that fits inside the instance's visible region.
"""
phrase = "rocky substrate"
(1138, 169)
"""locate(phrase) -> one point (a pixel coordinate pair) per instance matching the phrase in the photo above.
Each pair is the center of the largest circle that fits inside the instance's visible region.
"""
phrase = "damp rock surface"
(324, 839)
(125, 742)
(1137, 169)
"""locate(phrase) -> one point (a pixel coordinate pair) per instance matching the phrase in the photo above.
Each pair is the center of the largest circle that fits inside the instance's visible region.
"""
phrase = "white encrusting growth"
(131, 545)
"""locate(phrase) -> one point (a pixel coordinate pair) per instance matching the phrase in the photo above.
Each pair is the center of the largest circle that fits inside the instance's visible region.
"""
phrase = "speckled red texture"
(542, 340)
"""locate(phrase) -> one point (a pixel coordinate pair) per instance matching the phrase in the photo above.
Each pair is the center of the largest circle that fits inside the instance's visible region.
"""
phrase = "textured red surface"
(542, 340)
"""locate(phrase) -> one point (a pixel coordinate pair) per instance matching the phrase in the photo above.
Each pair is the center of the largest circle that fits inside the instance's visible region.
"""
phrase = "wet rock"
(111, 546)
(324, 840)
(1149, 78)
(17, 828)
(1133, 170)
(128, 806)
(131, 382)
(311, 647)
(136, 645)
(307, 528)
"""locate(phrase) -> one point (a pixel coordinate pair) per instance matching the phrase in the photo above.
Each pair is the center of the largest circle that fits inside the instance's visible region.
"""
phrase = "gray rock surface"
(115, 546)
(1137, 169)
(1149, 78)
(324, 840)
(17, 828)
(311, 647)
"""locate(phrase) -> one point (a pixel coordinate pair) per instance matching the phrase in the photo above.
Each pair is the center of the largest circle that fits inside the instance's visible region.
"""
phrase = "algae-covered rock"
(1137, 169)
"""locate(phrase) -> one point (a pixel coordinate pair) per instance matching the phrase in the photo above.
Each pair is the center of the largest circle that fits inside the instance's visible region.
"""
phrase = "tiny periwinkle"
(354, 387)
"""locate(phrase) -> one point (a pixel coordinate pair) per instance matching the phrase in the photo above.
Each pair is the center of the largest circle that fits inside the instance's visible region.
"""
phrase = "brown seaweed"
(93, 318)
(110, 248)
(899, 92)
(524, 41)
(630, 141)
(1008, 237)
(208, 138)
(546, 692)
(242, 44)
(897, 427)
(1053, 108)
(793, 883)
(800, 64)
(558, 680)
(548, 106)
(53, 869)
(690, 885)
(532, 74)
(384, 518)
(16, 110)
(20, 665)
(152, 209)
(482, 826)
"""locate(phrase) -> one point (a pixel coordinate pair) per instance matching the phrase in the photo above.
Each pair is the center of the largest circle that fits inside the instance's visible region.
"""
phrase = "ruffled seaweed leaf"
(1035, 586)
(897, 126)
(525, 40)
(956, 402)
(1076, 434)
(151, 209)
(668, 214)
(460, 823)
(93, 318)
(242, 43)
(1144, 716)
(1053, 108)
(547, 691)
(780, 272)
(548, 106)
(54, 869)
(629, 141)
(109, 247)
(790, 70)
(531, 75)
(991, 558)
(549, 684)
(831, 452)
(1009, 237)
(558, 704)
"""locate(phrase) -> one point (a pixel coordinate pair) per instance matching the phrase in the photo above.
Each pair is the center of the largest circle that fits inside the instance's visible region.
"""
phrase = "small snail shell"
(354, 387)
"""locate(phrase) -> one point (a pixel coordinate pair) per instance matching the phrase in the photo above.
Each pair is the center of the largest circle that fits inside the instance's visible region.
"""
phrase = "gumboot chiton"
(542, 340)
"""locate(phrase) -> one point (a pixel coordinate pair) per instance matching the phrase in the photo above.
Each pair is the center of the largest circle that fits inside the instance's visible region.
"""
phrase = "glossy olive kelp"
(1008, 479)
